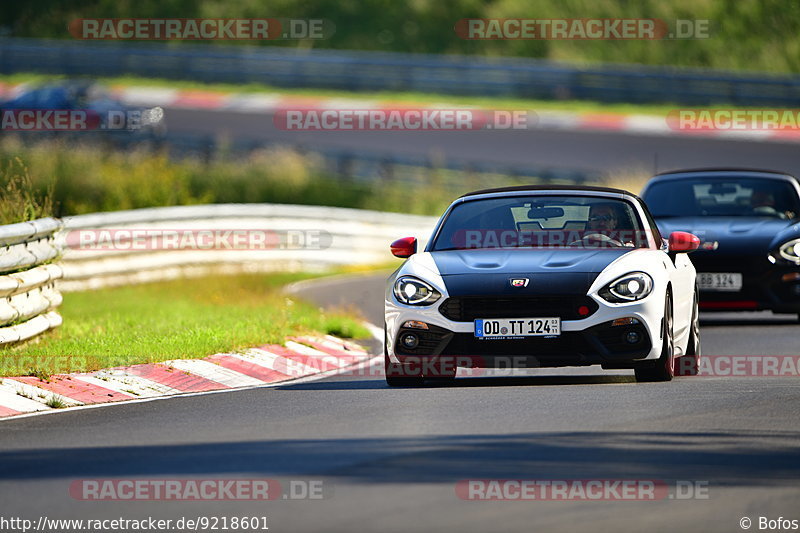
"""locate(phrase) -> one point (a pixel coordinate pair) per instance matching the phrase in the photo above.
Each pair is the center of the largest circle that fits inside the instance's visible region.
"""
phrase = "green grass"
(583, 106)
(188, 318)
(19, 200)
(56, 402)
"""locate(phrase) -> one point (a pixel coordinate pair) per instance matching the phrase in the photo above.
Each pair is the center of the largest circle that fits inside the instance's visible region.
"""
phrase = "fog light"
(410, 341)
(583, 310)
(632, 337)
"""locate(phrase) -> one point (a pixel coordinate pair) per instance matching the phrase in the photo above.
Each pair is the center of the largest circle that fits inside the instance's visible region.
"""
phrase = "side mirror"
(683, 242)
(405, 247)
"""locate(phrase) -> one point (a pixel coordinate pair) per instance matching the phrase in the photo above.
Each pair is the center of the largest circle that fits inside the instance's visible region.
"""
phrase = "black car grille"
(569, 343)
(469, 308)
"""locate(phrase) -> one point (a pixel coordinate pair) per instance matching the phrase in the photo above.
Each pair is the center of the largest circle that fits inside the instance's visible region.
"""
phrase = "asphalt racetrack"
(381, 459)
(540, 148)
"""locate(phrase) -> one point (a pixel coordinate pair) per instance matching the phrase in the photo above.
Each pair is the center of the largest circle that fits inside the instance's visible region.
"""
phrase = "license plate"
(517, 327)
(719, 281)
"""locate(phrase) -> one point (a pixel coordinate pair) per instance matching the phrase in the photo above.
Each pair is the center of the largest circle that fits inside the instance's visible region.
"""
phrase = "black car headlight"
(414, 291)
(791, 251)
(628, 288)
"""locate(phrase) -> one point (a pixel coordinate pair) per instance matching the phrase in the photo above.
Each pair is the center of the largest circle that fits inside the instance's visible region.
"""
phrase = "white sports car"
(543, 277)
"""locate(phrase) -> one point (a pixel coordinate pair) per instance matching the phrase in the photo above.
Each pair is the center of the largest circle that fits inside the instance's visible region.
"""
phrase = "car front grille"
(569, 343)
(469, 308)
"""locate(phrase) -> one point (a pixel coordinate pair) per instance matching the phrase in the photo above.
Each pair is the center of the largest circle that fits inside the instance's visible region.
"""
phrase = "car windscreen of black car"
(723, 196)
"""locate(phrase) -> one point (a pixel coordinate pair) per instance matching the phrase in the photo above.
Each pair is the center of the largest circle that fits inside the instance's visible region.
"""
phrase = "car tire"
(397, 374)
(663, 369)
(689, 364)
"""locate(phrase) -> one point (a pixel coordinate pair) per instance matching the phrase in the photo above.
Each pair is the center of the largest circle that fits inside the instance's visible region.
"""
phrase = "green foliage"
(81, 179)
(748, 35)
(19, 200)
(56, 402)
(90, 178)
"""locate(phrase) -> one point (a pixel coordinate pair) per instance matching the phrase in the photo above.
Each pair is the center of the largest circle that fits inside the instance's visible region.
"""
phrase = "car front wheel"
(689, 364)
(663, 369)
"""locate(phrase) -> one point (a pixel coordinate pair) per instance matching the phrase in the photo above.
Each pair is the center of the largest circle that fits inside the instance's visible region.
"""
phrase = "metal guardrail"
(348, 237)
(28, 294)
(383, 71)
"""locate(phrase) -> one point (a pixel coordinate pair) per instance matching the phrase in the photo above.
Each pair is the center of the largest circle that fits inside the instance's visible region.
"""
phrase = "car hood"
(560, 271)
(733, 235)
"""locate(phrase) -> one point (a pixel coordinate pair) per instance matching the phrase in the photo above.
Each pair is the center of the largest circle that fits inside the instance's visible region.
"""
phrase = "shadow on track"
(503, 381)
(731, 458)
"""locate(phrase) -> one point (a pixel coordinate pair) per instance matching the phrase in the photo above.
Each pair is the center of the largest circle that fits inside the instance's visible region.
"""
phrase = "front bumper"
(593, 340)
(765, 286)
(603, 344)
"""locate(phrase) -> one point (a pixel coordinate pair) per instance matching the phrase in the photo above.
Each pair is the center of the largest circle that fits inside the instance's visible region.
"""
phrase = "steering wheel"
(598, 238)
(766, 210)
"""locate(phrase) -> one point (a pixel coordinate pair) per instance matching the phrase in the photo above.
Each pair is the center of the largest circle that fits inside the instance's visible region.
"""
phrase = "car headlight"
(414, 291)
(791, 251)
(628, 288)
(154, 115)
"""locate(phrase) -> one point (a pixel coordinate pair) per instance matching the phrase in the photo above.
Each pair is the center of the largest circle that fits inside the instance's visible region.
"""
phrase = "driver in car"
(603, 218)
(603, 226)
(763, 203)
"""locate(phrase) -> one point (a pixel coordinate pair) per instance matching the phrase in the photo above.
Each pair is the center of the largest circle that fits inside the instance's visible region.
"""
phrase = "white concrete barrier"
(28, 292)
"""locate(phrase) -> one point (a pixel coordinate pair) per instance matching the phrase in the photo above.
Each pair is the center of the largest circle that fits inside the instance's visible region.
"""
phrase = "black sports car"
(749, 225)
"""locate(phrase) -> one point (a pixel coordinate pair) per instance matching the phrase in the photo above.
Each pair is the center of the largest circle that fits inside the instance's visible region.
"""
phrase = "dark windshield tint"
(541, 221)
(728, 196)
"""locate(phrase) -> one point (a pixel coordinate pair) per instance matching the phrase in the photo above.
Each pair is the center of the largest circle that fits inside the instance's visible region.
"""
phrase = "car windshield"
(727, 196)
(541, 222)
